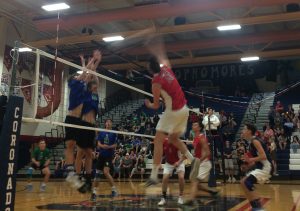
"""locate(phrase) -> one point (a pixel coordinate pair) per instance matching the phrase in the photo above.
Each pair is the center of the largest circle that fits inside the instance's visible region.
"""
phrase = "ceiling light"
(250, 59)
(25, 49)
(55, 7)
(113, 38)
(229, 27)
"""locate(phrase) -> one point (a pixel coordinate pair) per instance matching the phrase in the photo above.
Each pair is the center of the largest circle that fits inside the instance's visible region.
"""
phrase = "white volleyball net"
(42, 79)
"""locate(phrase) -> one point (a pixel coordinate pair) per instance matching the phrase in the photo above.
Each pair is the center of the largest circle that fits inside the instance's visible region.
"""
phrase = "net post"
(14, 69)
(36, 88)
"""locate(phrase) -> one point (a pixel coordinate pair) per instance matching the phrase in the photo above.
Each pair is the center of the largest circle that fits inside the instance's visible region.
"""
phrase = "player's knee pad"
(249, 182)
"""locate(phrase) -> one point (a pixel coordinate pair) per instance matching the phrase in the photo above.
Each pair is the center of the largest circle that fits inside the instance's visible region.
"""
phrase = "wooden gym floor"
(133, 196)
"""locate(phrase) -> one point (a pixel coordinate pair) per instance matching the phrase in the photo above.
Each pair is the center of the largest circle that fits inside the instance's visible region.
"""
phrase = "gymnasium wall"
(262, 76)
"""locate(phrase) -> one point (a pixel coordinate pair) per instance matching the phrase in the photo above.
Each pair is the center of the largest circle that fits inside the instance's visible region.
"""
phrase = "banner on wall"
(238, 74)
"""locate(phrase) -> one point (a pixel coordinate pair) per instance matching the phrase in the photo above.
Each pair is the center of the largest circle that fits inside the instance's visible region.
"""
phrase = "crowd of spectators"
(277, 132)
(132, 152)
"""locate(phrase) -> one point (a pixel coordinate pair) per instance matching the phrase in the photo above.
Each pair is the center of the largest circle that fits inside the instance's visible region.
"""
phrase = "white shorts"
(262, 175)
(173, 121)
(228, 163)
(204, 170)
(168, 168)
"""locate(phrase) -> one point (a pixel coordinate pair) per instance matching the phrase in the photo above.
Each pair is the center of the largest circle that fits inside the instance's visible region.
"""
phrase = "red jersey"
(198, 147)
(170, 152)
(171, 91)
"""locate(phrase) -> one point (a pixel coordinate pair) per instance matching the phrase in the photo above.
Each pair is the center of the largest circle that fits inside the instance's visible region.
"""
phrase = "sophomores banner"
(244, 75)
(9, 146)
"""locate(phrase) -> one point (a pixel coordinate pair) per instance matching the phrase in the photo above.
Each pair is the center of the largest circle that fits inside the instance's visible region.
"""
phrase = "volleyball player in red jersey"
(201, 151)
(173, 121)
(174, 161)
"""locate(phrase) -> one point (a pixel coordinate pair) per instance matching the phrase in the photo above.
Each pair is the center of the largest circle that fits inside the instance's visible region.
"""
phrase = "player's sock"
(69, 167)
(255, 203)
(154, 172)
(164, 194)
(88, 178)
(94, 190)
(189, 155)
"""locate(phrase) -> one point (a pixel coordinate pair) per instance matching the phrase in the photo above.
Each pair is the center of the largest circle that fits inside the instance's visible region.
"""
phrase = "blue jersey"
(90, 102)
(254, 152)
(77, 93)
(107, 139)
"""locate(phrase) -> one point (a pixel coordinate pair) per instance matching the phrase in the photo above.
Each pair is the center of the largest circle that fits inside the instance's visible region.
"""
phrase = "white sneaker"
(229, 180)
(180, 200)
(74, 180)
(233, 180)
(162, 202)
(43, 188)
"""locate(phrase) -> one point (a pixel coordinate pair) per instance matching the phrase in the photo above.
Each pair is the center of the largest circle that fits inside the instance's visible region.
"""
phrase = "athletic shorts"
(262, 175)
(168, 168)
(204, 170)
(35, 167)
(104, 162)
(71, 132)
(86, 138)
(228, 163)
(173, 121)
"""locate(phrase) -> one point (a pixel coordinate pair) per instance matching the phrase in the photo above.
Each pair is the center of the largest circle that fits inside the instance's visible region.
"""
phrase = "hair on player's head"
(251, 127)
(154, 65)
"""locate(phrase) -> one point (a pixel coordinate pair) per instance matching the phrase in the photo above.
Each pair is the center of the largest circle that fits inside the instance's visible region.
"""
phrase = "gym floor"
(133, 196)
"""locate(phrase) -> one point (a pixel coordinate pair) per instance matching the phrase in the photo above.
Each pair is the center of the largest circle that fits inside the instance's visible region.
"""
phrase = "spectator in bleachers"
(295, 145)
(273, 149)
(148, 130)
(268, 132)
(229, 168)
(296, 121)
(278, 119)
(117, 165)
(271, 116)
(277, 131)
(136, 128)
(279, 107)
(145, 143)
(135, 119)
(139, 167)
(126, 165)
(133, 156)
(136, 144)
(149, 122)
(143, 123)
(240, 152)
(282, 140)
(223, 118)
(229, 128)
(291, 112)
